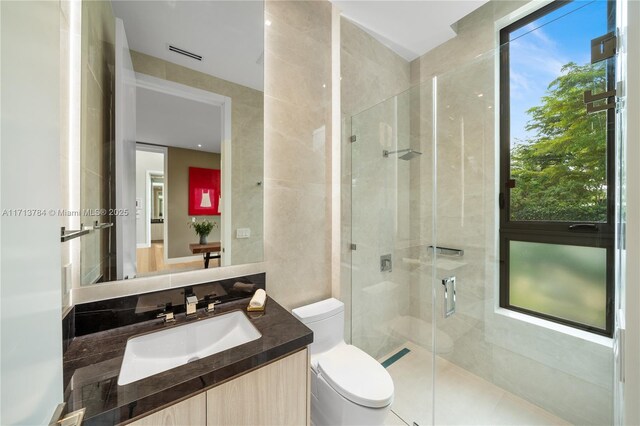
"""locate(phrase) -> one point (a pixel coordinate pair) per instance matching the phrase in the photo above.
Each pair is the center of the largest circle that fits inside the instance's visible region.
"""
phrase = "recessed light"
(267, 22)
(324, 86)
(199, 146)
(480, 95)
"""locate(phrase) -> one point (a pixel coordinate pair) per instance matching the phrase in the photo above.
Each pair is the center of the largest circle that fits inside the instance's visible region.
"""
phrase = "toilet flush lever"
(449, 296)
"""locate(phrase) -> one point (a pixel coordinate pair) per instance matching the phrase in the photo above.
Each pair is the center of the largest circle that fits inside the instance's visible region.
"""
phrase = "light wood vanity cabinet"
(272, 395)
(276, 394)
(192, 412)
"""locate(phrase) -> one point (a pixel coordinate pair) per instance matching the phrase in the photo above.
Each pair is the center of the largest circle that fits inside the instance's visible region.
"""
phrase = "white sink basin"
(160, 351)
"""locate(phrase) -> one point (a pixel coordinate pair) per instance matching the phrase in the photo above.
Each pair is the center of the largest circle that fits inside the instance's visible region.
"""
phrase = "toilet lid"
(357, 376)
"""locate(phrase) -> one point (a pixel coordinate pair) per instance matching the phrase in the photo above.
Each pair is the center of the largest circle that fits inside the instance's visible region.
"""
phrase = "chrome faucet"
(192, 303)
(167, 314)
(211, 304)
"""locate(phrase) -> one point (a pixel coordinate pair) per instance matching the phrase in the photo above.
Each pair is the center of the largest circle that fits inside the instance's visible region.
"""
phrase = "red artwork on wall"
(204, 192)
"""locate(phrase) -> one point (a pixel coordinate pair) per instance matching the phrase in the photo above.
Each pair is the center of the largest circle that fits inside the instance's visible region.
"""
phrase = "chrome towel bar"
(446, 251)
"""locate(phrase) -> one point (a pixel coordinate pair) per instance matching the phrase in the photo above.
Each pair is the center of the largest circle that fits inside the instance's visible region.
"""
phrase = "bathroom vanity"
(263, 381)
(273, 394)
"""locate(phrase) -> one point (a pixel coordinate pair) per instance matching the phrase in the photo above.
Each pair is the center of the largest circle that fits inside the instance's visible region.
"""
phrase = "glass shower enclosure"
(425, 266)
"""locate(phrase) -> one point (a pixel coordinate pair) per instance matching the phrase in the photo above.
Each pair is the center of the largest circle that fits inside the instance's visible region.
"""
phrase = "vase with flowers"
(203, 228)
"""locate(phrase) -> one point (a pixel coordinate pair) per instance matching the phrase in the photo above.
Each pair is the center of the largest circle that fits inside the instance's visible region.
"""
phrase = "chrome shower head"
(408, 154)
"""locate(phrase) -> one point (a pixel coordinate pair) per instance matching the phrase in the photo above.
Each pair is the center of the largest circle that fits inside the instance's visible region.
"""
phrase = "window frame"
(553, 232)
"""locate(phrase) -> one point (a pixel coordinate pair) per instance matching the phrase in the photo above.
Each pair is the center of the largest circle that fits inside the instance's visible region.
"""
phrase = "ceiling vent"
(185, 53)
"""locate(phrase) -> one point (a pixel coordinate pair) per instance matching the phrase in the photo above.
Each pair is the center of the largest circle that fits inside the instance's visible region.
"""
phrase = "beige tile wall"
(297, 151)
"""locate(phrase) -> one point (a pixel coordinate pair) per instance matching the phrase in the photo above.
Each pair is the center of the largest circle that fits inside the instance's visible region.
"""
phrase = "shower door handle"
(449, 296)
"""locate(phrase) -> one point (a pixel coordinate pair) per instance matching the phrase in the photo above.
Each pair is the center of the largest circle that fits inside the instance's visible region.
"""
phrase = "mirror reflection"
(171, 167)
(157, 206)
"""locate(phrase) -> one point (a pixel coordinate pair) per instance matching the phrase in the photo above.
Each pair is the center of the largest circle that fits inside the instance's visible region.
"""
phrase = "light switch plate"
(243, 233)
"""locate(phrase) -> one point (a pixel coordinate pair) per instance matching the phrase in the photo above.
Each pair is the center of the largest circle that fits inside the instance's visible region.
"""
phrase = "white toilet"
(348, 387)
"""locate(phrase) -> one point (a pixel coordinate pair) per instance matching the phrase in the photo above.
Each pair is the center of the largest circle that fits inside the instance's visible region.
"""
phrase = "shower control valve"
(386, 263)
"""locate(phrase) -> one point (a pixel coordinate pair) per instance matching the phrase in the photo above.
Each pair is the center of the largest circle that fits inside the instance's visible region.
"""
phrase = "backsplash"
(106, 314)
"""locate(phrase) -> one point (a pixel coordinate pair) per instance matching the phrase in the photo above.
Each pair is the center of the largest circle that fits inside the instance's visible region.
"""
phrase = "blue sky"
(539, 50)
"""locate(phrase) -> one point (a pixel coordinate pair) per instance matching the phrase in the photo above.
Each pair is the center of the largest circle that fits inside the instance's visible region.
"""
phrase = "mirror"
(171, 113)
(157, 206)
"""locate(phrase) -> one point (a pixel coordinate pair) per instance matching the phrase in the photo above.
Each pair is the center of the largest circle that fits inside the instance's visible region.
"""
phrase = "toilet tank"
(326, 320)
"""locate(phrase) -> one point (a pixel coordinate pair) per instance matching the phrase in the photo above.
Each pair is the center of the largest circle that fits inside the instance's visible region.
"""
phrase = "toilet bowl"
(348, 387)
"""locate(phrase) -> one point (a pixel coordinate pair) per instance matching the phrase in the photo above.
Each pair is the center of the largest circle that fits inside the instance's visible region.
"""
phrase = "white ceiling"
(168, 120)
(409, 28)
(229, 35)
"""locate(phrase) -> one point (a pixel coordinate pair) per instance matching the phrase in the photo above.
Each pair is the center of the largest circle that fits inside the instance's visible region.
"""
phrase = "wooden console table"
(207, 250)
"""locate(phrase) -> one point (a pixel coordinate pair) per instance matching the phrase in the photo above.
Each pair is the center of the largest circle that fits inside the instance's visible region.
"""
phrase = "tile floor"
(462, 398)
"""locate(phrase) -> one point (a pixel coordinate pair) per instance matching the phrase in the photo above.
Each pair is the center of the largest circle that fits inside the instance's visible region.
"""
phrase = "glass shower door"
(463, 257)
(391, 159)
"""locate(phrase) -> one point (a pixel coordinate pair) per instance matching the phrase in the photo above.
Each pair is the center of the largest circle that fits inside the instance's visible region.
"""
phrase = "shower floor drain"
(393, 358)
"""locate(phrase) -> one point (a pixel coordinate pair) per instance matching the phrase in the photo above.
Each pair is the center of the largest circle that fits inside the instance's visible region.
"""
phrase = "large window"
(557, 167)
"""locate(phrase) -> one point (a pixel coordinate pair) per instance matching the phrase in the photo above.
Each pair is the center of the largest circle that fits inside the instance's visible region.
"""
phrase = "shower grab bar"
(446, 251)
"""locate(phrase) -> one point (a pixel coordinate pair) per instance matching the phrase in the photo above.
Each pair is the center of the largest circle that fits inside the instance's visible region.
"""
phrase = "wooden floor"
(151, 260)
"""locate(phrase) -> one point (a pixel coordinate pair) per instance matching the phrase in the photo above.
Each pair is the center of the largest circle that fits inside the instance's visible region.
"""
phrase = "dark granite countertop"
(92, 364)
